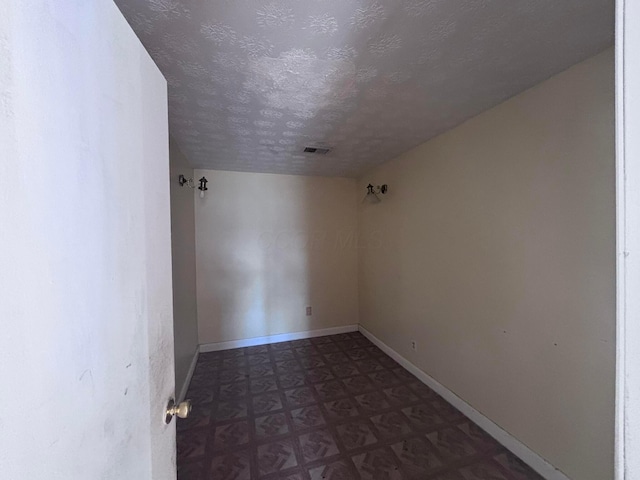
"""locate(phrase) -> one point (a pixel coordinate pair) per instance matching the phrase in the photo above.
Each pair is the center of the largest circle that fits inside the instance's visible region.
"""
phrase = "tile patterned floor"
(328, 408)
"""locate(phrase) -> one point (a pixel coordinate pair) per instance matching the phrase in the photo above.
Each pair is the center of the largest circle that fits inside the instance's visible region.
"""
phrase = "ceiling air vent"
(319, 150)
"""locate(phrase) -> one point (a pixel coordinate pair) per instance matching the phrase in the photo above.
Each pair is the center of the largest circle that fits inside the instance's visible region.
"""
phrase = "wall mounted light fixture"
(203, 186)
(184, 181)
(373, 192)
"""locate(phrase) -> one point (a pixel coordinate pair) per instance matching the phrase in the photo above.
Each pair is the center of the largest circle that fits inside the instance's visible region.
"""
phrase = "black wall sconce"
(203, 186)
(373, 192)
(184, 181)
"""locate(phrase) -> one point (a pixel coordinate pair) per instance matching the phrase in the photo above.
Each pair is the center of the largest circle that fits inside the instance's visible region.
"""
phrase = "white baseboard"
(518, 448)
(187, 380)
(283, 337)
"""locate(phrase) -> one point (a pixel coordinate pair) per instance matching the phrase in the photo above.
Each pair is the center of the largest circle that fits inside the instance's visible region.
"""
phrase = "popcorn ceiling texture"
(251, 82)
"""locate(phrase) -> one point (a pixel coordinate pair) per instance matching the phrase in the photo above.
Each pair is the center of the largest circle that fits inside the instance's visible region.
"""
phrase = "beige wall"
(267, 247)
(495, 251)
(183, 244)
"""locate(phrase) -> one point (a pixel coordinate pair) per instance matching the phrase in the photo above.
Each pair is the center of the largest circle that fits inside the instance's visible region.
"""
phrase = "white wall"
(86, 359)
(495, 251)
(628, 223)
(183, 250)
(268, 246)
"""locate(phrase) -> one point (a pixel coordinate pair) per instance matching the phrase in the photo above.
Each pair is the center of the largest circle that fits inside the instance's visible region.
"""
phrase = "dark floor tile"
(317, 444)
(359, 384)
(258, 358)
(373, 401)
(403, 374)
(448, 475)
(258, 349)
(422, 417)
(231, 410)
(192, 443)
(368, 365)
(377, 464)
(201, 396)
(328, 348)
(263, 370)
(271, 425)
(379, 354)
(401, 395)
(384, 378)
(281, 355)
(231, 435)
(385, 360)
(289, 365)
(452, 443)
(280, 346)
(344, 370)
(307, 417)
(262, 385)
(291, 474)
(422, 390)
(268, 402)
(306, 351)
(234, 465)
(291, 379)
(321, 374)
(336, 357)
(208, 367)
(233, 353)
(447, 411)
(276, 456)
(341, 409)
(481, 439)
(339, 470)
(312, 362)
(331, 390)
(234, 390)
(232, 375)
(417, 456)
(299, 396)
(482, 470)
(356, 434)
(200, 416)
(341, 337)
(357, 354)
(191, 471)
(204, 378)
(234, 362)
(391, 425)
(328, 408)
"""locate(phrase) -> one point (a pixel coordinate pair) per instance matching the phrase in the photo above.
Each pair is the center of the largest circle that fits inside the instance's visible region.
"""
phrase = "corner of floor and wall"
(488, 270)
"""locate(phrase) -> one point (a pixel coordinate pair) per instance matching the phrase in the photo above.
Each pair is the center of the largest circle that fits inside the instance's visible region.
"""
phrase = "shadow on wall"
(269, 247)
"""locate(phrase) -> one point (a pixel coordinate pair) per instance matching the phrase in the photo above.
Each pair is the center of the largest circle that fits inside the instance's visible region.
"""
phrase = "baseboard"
(518, 448)
(187, 380)
(283, 337)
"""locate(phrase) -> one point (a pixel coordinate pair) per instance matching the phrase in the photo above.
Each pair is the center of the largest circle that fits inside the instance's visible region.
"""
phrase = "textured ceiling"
(251, 83)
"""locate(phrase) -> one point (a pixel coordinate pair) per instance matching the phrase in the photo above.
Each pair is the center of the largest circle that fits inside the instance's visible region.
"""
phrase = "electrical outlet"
(308, 311)
(414, 346)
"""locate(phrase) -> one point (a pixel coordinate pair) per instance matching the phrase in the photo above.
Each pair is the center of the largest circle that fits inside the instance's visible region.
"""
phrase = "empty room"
(320, 239)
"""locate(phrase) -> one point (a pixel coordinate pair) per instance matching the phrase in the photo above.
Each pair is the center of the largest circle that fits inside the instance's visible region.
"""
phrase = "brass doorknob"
(182, 410)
